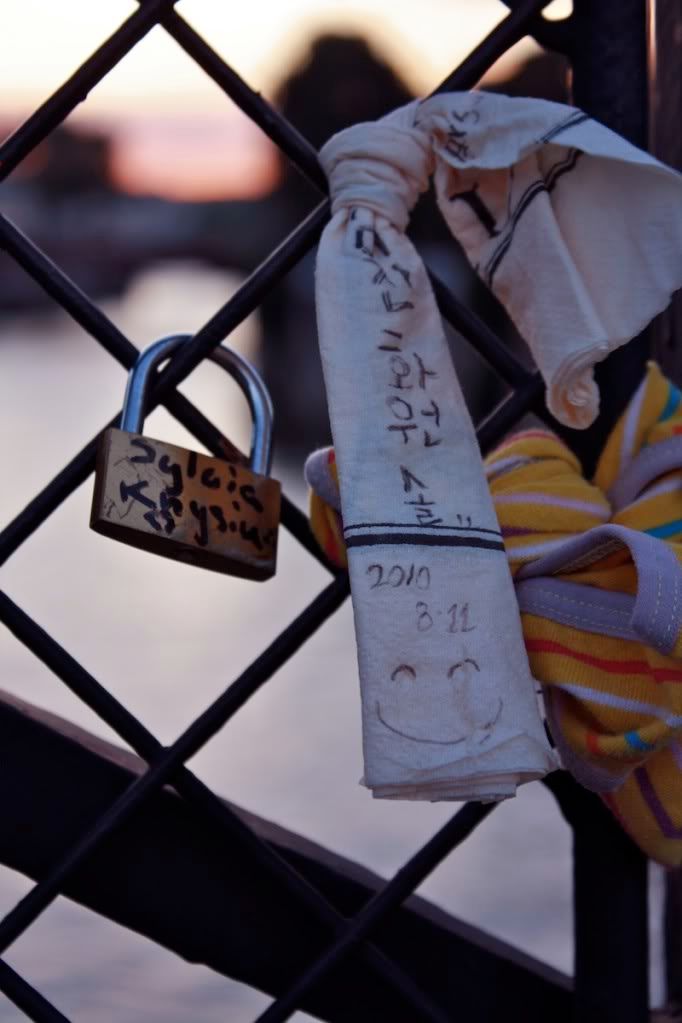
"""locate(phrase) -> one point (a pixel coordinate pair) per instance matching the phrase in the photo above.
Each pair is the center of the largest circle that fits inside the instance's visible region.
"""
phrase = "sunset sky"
(175, 133)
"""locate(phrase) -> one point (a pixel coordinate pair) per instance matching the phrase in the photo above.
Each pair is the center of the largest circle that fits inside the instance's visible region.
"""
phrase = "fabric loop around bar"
(381, 167)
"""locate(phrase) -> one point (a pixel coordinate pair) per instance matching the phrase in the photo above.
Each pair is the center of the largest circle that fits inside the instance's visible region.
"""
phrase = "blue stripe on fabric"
(635, 740)
(666, 529)
(671, 404)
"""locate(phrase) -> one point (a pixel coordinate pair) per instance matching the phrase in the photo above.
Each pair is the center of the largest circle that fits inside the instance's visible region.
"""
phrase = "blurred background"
(158, 166)
(158, 196)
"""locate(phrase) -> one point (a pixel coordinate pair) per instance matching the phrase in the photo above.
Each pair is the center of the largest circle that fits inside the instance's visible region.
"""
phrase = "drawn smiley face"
(477, 719)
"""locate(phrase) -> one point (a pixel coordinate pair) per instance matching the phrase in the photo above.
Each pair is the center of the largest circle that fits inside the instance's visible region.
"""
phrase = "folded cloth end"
(485, 777)
(491, 789)
(573, 395)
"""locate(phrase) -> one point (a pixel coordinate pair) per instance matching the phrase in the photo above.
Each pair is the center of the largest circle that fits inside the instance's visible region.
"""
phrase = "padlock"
(186, 505)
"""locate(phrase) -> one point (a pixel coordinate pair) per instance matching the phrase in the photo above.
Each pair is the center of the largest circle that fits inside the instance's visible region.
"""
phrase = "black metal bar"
(494, 46)
(526, 398)
(68, 295)
(477, 332)
(49, 499)
(610, 881)
(243, 303)
(552, 35)
(93, 320)
(297, 525)
(56, 776)
(291, 249)
(610, 83)
(610, 73)
(277, 128)
(232, 313)
(391, 895)
(611, 972)
(665, 143)
(283, 134)
(610, 910)
(26, 998)
(228, 826)
(672, 930)
(77, 471)
(305, 157)
(192, 739)
(60, 104)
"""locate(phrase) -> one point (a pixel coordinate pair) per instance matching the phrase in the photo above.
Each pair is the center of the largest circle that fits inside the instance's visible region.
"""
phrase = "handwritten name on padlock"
(217, 514)
(181, 504)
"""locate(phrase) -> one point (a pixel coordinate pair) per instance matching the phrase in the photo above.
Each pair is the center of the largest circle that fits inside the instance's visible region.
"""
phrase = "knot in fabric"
(534, 192)
(381, 166)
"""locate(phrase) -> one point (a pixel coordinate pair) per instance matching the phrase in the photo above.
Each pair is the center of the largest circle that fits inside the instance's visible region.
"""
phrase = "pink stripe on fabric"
(528, 435)
(506, 463)
(620, 702)
(533, 550)
(667, 487)
(558, 502)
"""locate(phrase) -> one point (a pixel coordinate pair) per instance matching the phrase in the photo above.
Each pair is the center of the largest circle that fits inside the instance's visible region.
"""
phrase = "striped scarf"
(596, 567)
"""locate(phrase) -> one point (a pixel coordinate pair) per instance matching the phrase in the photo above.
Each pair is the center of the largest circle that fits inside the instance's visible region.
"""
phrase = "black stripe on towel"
(421, 540)
(545, 185)
(572, 122)
(410, 525)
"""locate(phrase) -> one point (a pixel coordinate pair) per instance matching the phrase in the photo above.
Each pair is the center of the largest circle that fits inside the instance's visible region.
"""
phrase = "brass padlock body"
(186, 505)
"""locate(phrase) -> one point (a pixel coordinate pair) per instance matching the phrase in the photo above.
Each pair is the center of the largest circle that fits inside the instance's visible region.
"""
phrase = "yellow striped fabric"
(614, 705)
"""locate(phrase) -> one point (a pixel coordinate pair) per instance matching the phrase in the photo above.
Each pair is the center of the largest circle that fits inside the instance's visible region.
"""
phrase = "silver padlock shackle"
(248, 378)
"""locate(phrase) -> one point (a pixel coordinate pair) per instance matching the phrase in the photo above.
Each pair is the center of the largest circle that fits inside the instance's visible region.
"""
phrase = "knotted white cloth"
(579, 235)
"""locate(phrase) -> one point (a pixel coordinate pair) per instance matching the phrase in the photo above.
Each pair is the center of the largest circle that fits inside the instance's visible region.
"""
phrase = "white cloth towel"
(577, 232)
(582, 262)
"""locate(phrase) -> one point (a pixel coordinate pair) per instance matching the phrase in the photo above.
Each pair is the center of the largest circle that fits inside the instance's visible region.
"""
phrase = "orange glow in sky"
(175, 133)
(193, 157)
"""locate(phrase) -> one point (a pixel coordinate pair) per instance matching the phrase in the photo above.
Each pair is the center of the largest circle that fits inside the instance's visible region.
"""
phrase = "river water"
(166, 639)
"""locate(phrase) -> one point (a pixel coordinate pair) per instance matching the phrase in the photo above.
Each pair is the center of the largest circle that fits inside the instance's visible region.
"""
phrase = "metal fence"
(381, 978)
